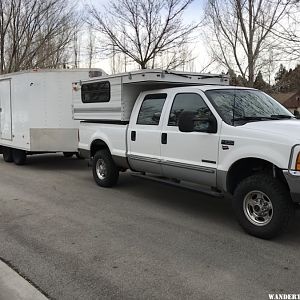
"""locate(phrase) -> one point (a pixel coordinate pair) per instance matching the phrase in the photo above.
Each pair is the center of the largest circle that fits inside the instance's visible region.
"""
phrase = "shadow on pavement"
(54, 162)
(199, 205)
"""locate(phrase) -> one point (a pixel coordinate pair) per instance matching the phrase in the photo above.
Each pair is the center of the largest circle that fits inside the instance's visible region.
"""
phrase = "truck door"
(5, 110)
(144, 135)
(191, 156)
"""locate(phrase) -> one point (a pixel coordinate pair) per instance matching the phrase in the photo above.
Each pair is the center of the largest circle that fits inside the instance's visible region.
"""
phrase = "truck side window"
(189, 102)
(151, 109)
(95, 92)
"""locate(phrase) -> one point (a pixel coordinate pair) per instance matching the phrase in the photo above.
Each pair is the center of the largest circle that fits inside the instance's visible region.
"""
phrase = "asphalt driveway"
(140, 240)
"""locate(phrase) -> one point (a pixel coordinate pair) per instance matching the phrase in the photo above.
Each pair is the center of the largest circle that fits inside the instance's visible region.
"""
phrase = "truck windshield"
(239, 106)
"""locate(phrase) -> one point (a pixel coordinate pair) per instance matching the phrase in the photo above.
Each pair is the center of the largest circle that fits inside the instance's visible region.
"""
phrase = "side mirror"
(188, 123)
(212, 125)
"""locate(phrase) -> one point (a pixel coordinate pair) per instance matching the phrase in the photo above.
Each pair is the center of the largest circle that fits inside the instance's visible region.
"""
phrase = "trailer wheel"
(7, 155)
(263, 206)
(68, 154)
(105, 172)
(19, 156)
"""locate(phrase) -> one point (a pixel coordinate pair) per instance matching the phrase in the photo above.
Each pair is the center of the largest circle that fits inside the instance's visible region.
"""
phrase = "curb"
(15, 287)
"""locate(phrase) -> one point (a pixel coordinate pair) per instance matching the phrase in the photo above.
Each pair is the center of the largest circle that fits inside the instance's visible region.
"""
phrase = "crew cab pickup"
(238, 141)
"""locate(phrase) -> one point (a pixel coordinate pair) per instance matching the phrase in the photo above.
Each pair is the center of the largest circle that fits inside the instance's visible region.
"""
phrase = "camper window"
(95, 92)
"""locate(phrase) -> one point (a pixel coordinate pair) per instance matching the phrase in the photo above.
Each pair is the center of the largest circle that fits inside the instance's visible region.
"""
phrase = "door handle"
(133, 135)
(164, 138)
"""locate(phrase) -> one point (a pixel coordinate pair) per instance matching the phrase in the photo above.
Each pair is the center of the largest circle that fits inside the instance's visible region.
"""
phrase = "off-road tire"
(19, 156)
(278, 194)
(7, 154)
(111, 176)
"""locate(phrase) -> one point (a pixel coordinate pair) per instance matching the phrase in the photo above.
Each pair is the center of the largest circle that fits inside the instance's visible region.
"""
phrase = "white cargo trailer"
(36, 112)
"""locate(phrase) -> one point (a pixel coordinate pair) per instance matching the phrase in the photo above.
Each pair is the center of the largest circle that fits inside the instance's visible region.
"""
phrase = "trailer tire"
(7, 154)
(19, 156)
(263, 206)
(105, 171)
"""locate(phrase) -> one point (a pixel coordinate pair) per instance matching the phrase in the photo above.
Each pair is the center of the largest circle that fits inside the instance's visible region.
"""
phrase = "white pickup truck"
(238, 141)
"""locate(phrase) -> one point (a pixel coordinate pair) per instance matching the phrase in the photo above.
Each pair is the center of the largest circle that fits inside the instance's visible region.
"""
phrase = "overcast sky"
(193, 12)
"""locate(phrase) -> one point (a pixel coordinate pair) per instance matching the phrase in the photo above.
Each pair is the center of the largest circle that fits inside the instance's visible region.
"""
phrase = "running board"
(182, 184)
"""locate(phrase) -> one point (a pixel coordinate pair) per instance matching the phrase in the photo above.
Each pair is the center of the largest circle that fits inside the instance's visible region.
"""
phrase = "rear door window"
(151, 109)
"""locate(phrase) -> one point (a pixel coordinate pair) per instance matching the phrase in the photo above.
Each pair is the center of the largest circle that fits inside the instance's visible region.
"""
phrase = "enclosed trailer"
(112, 97)
(36, 112)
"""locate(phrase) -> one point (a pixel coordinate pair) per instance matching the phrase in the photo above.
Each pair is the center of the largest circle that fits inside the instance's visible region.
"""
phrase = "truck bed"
(113, 134)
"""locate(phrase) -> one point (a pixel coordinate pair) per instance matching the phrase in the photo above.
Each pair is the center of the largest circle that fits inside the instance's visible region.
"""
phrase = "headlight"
(297, 167)
(294, 165)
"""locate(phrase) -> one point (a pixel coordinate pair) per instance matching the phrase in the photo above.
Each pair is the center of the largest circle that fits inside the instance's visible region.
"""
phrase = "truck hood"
(289, 129)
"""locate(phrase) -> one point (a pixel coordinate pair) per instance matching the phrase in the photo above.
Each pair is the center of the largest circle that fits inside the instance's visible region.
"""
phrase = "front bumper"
(293, 180)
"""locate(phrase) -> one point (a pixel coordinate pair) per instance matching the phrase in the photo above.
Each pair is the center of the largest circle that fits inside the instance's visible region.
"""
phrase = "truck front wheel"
(105, 172)
(7, 155)
(19, 156)
(263, 206)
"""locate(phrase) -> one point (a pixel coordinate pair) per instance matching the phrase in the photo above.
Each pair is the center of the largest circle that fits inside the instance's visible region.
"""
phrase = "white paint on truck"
(235, 140)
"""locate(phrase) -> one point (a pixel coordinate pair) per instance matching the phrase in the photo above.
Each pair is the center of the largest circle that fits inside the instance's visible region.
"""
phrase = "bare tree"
(91, 46)
(179, 58)
(242, 32)
(143, 29)
(34, 33)
(76, 48)
(290, 33)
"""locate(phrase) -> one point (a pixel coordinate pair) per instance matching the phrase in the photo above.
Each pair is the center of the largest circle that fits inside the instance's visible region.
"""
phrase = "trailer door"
(5, 110)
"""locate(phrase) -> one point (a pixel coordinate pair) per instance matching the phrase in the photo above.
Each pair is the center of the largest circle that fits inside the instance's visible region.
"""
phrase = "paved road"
(140, 240)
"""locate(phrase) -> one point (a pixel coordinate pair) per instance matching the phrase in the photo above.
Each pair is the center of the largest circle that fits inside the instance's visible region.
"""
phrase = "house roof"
(293, 101)
(283, 97)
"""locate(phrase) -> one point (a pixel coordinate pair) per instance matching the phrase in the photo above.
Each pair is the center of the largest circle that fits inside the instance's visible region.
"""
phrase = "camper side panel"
(103, 108)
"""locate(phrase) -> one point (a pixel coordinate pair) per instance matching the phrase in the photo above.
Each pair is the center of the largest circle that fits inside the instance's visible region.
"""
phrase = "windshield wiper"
(282, 117)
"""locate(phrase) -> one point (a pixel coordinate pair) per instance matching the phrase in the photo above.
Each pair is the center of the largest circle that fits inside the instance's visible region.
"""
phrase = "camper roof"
(159, 75)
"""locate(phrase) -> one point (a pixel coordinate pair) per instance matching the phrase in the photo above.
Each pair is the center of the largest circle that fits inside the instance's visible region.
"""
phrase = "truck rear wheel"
(19, 156)
(105, 172)
(263, 206)
(7, 154)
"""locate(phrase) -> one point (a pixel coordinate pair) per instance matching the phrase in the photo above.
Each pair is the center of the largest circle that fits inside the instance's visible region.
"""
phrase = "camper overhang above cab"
(112, 97)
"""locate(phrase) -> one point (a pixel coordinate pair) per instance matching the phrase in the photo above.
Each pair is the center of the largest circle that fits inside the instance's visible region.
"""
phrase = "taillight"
(298, 162)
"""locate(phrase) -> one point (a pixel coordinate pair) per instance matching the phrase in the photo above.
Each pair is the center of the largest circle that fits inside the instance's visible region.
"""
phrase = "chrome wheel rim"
(258, 208)
(101, 169)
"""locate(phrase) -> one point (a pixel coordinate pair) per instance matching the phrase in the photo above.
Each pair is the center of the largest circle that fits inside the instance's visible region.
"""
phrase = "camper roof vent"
(95, 73)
